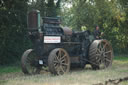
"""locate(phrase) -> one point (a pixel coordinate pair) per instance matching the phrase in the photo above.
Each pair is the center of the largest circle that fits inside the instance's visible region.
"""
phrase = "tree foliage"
(110, 15)
(12, 30)
(48, 8)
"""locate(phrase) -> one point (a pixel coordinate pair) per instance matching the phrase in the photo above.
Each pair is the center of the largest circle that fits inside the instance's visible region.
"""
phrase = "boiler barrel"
(67, 31)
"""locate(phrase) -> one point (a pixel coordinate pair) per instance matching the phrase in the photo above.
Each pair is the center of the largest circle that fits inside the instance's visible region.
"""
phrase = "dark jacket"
(97, 33)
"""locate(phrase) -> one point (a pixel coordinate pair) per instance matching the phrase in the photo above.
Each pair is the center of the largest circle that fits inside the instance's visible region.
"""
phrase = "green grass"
(121, 58)
(8, 72)
(9, 69)
(124, 83)
(12, 75)
(13, 69)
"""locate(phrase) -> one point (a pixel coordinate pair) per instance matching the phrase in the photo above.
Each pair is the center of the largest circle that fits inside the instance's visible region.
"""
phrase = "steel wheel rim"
(61, 62)
(30, 63)
(104, 54)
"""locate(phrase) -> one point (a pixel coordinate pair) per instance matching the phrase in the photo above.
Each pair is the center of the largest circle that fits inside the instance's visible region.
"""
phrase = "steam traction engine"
(60, 48)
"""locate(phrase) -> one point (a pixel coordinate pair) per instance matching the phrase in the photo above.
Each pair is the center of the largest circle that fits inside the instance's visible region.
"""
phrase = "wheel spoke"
(107, 60)
(63, 57)
(57, 58)
(55, 61)
(100, 47)
(98, 59)
(98, 50)
(62, 69)
(63, 60)
(103, 49)
(30, 69)
(57, 66)
(98, 54)
(64, 64)
(105, 45)
(59, 54)
(33, 70)
(30, 57)
(102, 58)
(28, 60)
(108, 52)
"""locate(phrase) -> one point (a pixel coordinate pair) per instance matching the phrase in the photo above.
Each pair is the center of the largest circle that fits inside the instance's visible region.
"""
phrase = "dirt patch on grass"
(8, 76)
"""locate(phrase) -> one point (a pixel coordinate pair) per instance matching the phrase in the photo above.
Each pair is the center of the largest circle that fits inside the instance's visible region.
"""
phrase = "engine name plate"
(52, 39)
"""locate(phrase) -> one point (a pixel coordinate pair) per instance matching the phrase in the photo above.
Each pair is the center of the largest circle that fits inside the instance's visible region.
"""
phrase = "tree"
(12, 30)
(49, 8)
(110, 15)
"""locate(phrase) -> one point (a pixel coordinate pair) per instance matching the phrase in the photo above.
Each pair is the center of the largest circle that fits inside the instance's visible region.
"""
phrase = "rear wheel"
(100, 54)
(29, 62)
(59, 61)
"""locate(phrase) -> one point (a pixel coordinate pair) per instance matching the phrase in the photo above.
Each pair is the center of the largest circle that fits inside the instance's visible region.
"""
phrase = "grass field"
(12, 75)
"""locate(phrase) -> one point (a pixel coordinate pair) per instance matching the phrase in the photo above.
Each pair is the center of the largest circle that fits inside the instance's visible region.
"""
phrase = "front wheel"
(29, 62)
(59, 61)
